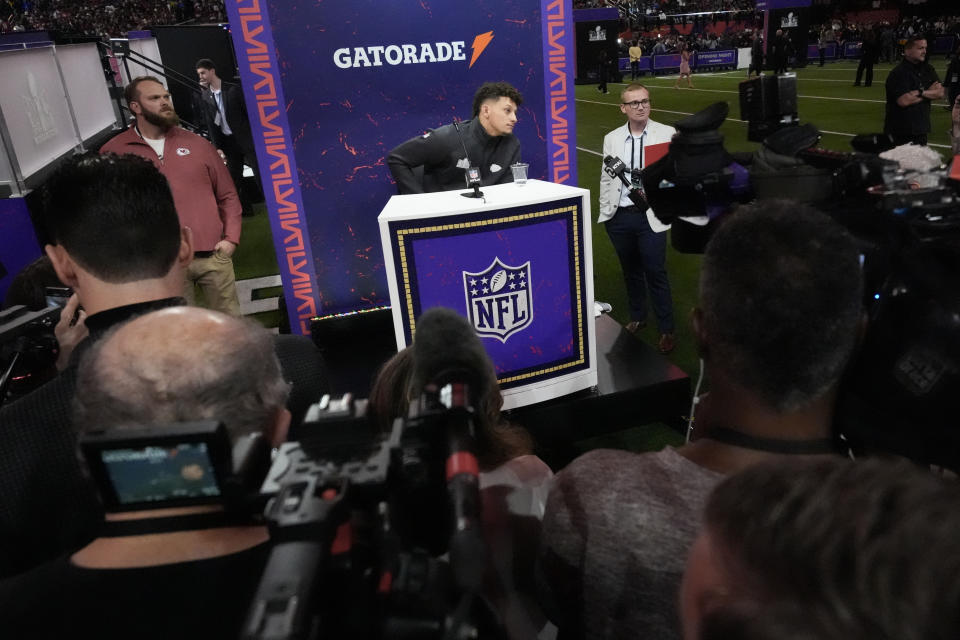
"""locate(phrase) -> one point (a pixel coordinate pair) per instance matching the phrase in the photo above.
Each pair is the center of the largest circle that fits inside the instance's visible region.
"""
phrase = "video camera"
(28, 349)
(897, 396)
(185, 464)
(374, 535)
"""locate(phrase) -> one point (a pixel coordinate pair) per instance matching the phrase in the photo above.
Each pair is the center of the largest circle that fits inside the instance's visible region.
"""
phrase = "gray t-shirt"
(614, 543)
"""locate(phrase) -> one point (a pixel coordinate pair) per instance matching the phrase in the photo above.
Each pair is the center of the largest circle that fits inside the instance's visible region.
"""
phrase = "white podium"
(518, 264)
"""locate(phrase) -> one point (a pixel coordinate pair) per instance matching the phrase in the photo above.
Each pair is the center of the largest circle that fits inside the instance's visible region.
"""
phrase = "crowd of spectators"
(908, 26)
(888, 36)
(670, 7)
(111, 18)
(672, 43)
(709, 24)
(108, 18)
(657, 26)
(650, 7)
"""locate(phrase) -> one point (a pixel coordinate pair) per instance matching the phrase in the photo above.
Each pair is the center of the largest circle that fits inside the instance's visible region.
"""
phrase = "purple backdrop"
(333, 86)
(18, 244)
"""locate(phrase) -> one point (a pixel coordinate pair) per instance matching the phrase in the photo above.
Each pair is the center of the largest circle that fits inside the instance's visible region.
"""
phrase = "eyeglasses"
(636, 104)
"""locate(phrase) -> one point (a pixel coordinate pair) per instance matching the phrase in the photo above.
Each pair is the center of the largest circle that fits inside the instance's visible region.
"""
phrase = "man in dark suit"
(869, 52)
(225, 117)
(779, 52)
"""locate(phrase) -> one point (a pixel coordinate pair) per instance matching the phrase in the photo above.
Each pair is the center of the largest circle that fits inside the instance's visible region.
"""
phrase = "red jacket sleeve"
(228, 202)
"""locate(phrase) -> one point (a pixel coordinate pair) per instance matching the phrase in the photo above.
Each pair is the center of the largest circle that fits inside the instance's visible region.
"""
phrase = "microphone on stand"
(472, 173)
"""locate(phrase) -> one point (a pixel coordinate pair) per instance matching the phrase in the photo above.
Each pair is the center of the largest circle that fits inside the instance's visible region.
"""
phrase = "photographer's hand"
(70, 333)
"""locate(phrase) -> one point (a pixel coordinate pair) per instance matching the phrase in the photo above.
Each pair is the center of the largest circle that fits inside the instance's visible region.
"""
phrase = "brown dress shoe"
(667, 343)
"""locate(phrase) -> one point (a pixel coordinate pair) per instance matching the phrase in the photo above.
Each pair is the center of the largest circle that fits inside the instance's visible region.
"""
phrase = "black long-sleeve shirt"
(441, 155)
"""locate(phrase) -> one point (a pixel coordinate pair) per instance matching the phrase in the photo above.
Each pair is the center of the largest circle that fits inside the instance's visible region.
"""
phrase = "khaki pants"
(214, 275)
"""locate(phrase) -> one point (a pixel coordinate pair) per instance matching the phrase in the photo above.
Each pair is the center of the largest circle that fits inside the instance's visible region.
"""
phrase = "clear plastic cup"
(519, 172)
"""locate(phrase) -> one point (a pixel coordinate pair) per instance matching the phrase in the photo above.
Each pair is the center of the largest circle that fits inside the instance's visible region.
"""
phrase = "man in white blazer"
(638, 237)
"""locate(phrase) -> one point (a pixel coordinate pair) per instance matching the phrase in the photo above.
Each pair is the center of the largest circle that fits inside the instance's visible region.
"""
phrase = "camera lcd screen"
(57, 296)
(156, 474)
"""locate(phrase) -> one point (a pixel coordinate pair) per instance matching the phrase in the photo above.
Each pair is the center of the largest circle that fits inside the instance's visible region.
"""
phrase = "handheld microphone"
(447, 353)
(471, 173)
(617, 168)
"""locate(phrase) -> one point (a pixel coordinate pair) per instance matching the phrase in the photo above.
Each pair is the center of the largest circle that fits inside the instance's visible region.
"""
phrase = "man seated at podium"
(445, 153)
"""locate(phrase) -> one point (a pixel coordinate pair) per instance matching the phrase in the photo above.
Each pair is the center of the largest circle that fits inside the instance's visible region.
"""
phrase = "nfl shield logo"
(498, 299)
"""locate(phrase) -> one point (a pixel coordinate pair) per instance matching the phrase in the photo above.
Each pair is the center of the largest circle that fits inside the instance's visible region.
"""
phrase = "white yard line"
(686, 113)
(850, 82)
(662, 86)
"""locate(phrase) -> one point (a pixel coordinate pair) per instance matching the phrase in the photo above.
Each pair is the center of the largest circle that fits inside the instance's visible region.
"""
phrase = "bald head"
(181, 364)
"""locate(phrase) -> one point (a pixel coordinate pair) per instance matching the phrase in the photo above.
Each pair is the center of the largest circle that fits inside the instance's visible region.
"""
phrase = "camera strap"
(633, 151)
(772, 445)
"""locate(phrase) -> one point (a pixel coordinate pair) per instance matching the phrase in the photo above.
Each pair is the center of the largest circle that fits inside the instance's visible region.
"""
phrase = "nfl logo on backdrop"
(498, 299)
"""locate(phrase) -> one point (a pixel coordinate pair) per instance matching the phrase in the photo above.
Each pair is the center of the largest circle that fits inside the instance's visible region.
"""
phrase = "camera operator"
(172, 365)
(113, 236)
(513, 482)
(778, 317)
(30, 289)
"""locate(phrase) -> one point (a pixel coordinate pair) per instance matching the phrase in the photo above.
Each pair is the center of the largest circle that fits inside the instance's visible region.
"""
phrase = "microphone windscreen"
(447, 349)
(615, 166)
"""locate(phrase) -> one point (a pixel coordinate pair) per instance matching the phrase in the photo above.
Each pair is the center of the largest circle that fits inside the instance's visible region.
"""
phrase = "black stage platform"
(636, 385)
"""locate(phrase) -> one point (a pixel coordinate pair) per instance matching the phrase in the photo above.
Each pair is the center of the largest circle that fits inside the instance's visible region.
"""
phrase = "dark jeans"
(864, 64)
(643, 259)
(634, 69)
